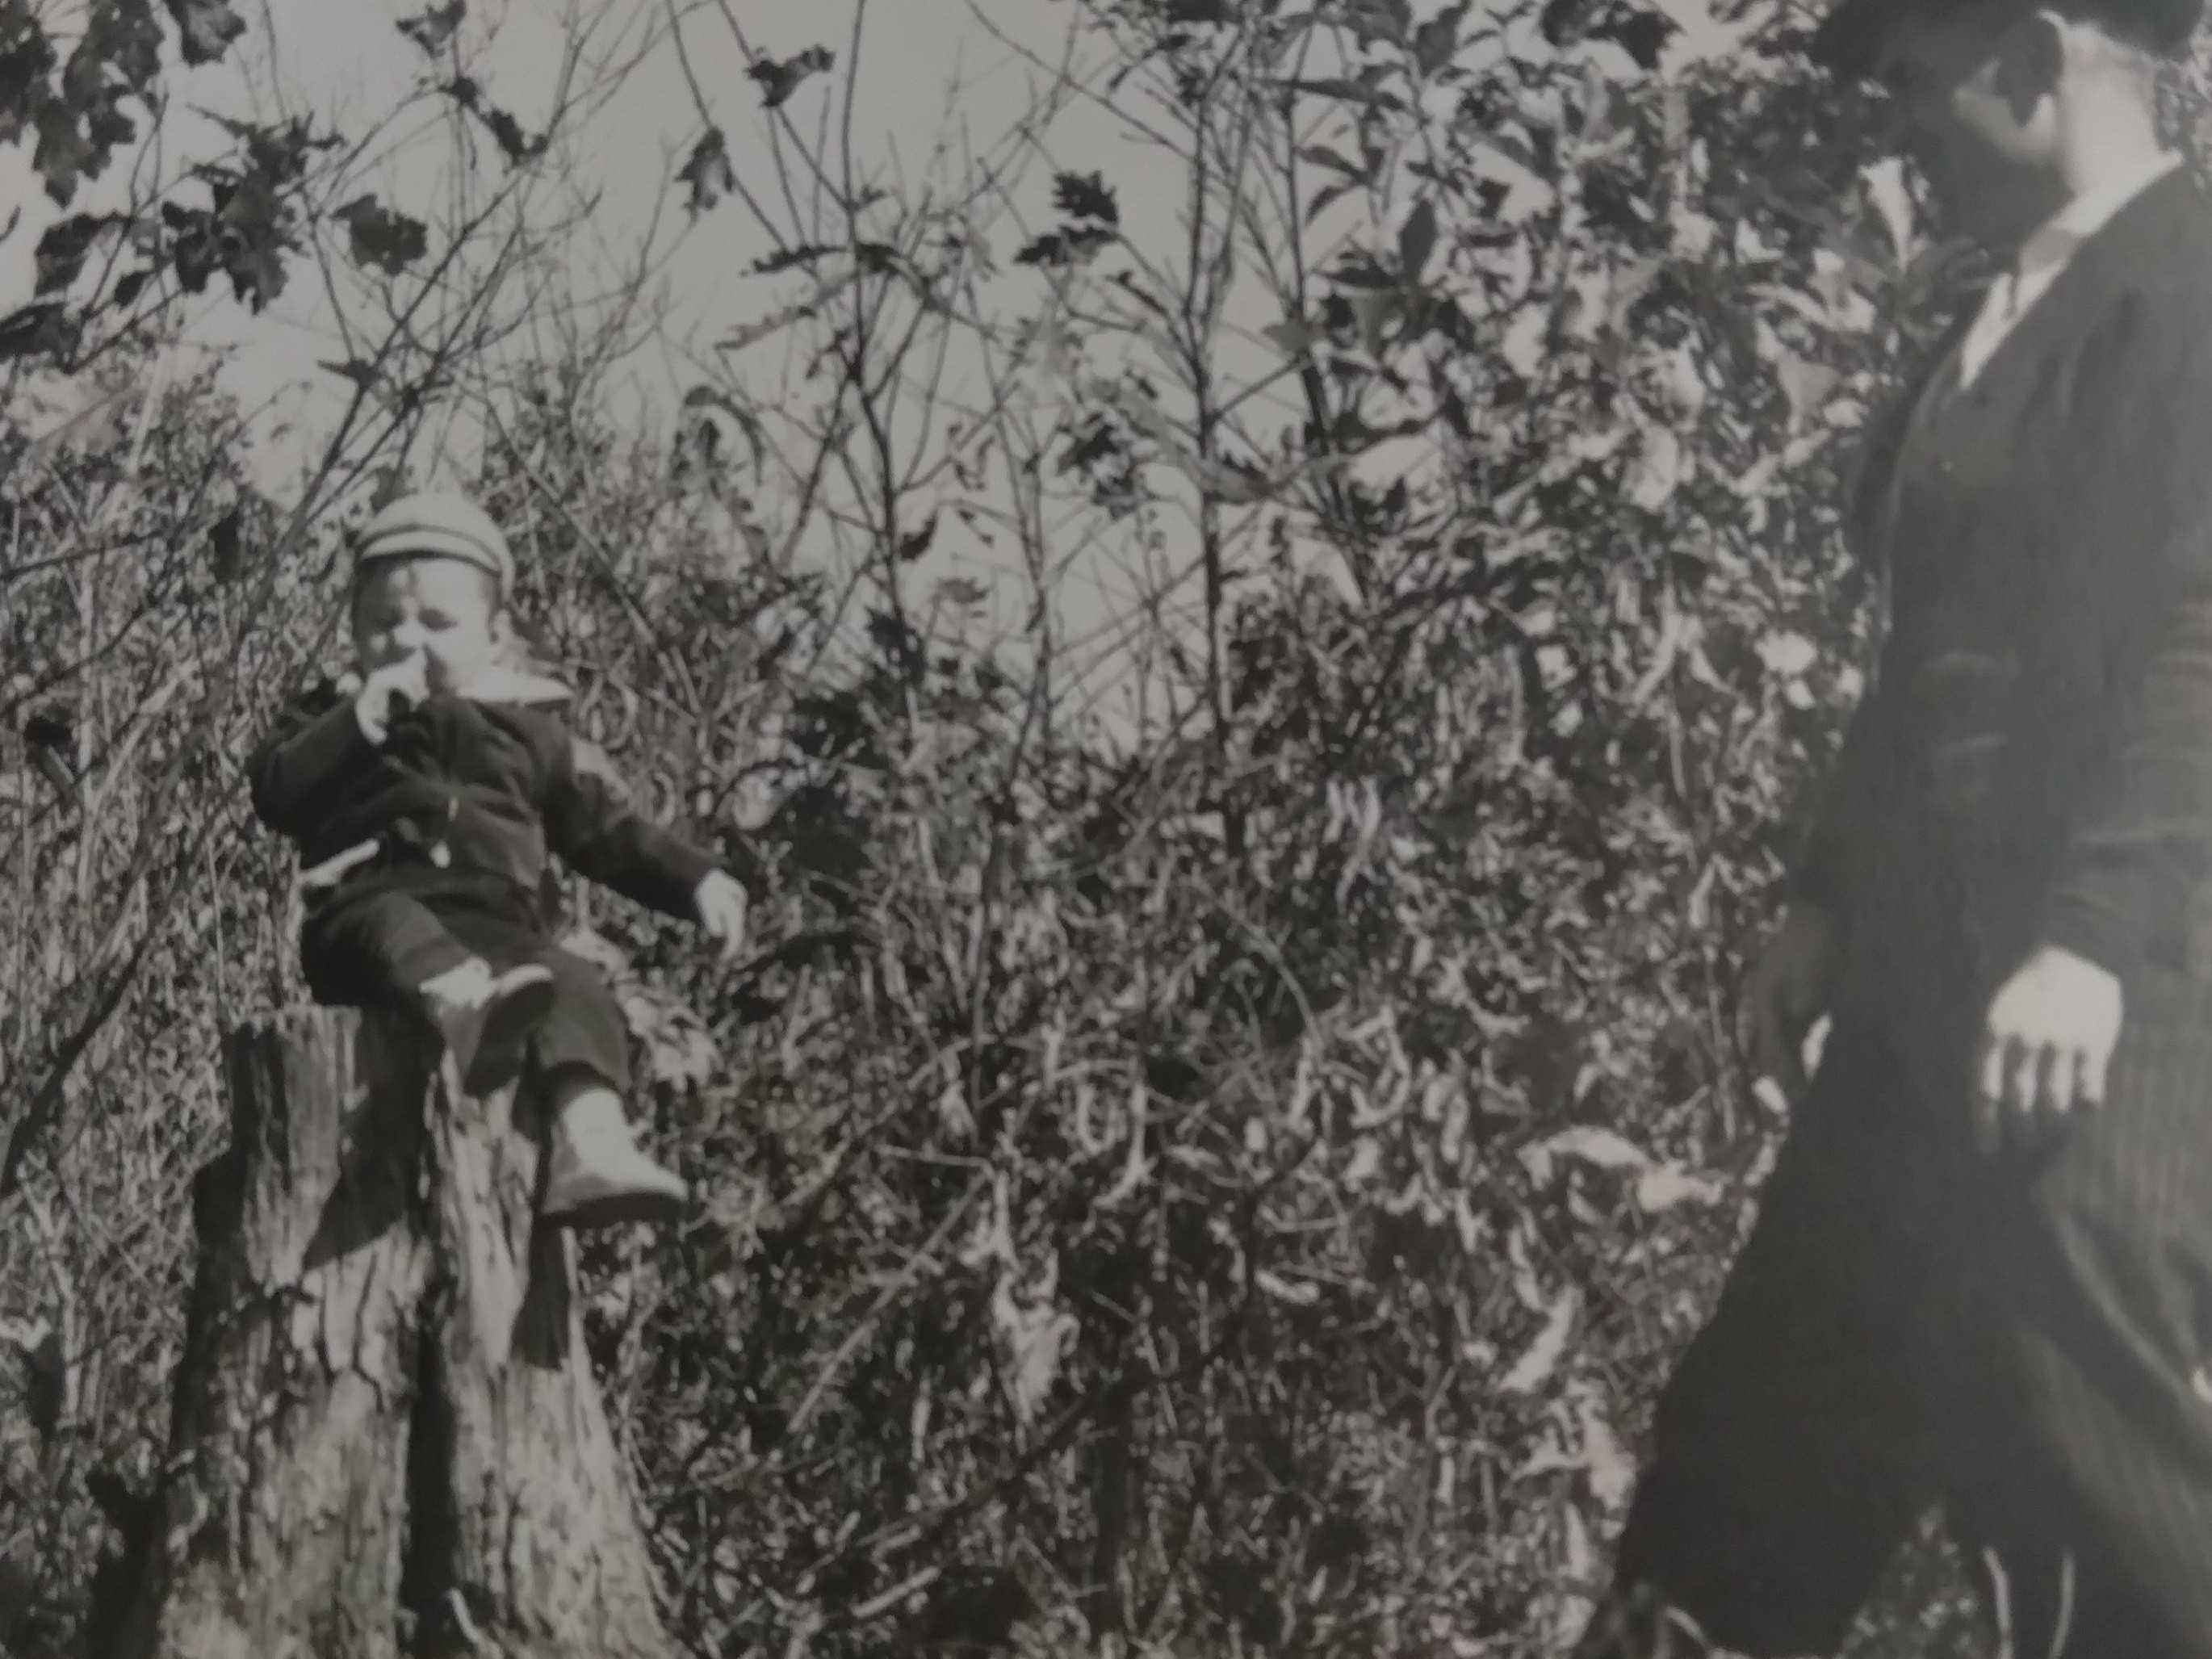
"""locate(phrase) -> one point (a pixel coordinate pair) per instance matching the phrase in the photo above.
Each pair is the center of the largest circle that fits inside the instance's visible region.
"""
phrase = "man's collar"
(2083, 218)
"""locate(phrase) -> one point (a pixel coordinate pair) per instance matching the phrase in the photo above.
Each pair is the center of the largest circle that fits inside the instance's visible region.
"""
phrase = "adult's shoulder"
(2186, 205)
(2141, 375)
(2165, 287)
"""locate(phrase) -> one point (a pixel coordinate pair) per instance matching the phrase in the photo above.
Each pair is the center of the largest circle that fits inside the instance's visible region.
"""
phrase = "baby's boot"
(598, 1178)
(487, 1017)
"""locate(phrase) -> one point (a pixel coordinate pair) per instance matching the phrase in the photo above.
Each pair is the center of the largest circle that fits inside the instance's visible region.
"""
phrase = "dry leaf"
(1587, 1144)
(1535, 1366)
(1661, 466)
(1892, 200)
(1290, 337)
(1523, 348)
(1037, 1337)
(1666, 1185)
(1805, 383)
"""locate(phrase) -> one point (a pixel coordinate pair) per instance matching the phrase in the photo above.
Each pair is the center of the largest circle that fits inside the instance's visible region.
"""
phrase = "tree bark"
(384, 1436)
(283, 1509)
(529, 1525)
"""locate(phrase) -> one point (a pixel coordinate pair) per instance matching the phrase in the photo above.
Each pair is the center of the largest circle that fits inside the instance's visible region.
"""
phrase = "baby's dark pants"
(376, 942)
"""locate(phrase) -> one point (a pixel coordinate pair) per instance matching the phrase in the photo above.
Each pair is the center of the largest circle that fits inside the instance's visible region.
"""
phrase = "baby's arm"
(589, 823)
(315, 741)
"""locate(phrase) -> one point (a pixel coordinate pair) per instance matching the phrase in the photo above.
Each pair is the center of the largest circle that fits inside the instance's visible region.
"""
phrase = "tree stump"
(385, 1437)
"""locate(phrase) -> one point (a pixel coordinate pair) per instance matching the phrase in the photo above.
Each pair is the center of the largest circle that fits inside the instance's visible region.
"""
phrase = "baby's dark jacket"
(497, 786)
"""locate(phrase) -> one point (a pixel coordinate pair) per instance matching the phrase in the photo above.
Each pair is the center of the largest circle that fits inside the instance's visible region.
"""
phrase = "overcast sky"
(930, 71)
(928, 68)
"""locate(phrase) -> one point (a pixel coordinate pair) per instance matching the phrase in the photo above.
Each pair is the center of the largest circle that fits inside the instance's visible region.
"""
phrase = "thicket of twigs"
(1233, 1108)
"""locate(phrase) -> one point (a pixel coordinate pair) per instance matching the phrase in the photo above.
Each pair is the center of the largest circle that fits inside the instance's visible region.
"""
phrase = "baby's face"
(442, 610)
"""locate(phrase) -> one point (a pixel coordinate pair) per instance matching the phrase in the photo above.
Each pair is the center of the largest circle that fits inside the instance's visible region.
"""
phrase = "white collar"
(503, 683)
(2054, 242)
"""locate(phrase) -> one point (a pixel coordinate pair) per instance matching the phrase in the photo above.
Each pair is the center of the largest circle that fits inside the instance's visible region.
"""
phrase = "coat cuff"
(668, 873)
(690, 867)
(2093, 933)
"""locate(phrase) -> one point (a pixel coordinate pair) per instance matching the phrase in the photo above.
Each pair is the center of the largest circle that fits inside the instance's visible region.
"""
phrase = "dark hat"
(1848, 37)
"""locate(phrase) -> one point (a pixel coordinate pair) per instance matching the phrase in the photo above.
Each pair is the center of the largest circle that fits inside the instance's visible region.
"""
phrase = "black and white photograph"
(1105, 829)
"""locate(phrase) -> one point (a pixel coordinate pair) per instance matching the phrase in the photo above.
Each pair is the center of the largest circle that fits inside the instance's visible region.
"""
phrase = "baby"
(425, 791)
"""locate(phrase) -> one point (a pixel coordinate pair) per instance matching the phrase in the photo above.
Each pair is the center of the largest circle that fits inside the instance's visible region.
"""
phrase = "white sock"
(468, 985)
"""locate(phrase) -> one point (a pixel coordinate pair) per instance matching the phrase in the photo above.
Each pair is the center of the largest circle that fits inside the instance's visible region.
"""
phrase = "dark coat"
(2035, 762)
(2028, 1336)
(497, 787)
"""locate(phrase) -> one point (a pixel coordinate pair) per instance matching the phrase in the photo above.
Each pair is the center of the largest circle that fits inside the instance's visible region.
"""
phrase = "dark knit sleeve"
(2141, 838)
(590, 824)
(315, 742)
(1832, 863)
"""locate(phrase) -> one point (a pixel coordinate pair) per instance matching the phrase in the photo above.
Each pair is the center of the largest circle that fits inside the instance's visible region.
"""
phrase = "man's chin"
(1968, 220)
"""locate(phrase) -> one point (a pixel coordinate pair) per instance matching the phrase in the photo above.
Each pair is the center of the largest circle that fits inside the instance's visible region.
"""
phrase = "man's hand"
(721, 901)
(371, 704)
(1784, 994)
(2045, 1046)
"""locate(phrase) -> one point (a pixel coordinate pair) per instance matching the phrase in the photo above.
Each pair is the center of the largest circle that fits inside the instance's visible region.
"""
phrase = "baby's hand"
(372, 705)
(721, 902)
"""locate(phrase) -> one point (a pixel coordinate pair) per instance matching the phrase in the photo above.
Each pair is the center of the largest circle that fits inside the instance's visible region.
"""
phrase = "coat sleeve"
(315, 741)
(1831, 864)
(2140, 841)
(590, 824)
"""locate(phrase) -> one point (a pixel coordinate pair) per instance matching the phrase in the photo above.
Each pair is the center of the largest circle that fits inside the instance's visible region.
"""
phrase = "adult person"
(1981, 1274)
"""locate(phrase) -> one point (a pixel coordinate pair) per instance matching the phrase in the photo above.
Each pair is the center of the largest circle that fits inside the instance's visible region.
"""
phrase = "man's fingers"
(2024, 1075)
(2047, 1044)
(1990, 1071)
(2026, 1088)
(2062, 1073)
(1988, 1107)
(2094, 1063)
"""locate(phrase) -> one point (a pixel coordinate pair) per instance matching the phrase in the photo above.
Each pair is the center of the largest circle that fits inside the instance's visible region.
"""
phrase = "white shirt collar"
(2053, 244)
(2042, 259)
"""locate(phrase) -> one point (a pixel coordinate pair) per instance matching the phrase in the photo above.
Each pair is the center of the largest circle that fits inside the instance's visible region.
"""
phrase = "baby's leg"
(597, 1176)
(390, 946)
(376, 947)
